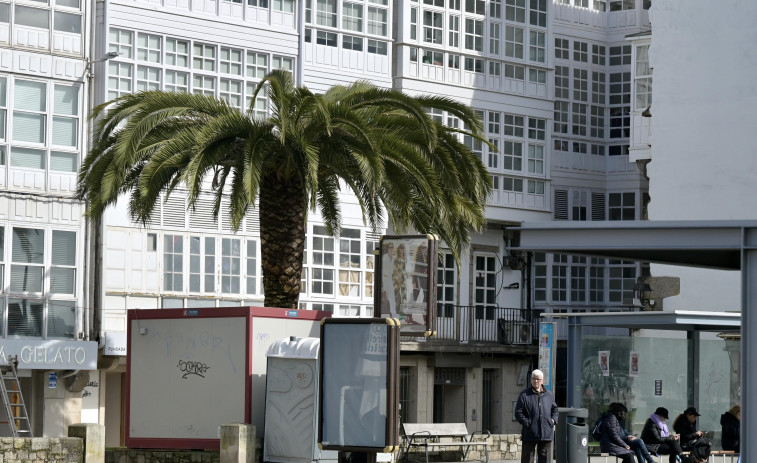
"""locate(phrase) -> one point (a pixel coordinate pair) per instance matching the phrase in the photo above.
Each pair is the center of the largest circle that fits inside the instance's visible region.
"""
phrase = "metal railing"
(486, 323)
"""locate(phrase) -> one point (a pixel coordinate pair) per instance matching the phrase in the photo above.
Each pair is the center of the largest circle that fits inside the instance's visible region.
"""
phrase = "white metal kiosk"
(291, 412)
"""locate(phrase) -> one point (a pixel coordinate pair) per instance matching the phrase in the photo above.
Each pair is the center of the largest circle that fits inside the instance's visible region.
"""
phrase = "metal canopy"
(727, 245)
(679, 320)
(691, 243)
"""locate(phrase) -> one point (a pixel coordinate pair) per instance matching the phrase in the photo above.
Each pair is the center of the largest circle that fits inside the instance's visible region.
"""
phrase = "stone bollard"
(93, 436)
(237, 443)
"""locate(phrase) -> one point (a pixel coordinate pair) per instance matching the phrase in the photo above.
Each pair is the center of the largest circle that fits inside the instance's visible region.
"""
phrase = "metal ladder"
(13, 400)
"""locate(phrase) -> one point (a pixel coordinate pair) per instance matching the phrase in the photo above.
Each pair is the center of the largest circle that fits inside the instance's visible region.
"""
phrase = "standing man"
(536, 411)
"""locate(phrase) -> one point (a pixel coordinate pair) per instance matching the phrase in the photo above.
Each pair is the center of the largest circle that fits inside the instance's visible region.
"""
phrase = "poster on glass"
(359, 385)
(407, 282)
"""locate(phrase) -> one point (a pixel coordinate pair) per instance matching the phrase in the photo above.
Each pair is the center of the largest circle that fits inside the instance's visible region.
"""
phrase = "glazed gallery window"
(64, 20)
(29, 111)
(350, 263)
(352, 16)
(326, 13)
(177, 52)
(643, 78)
(323, 257)
(40, 269)
(36, 108)
(27, 267)
(432, 27)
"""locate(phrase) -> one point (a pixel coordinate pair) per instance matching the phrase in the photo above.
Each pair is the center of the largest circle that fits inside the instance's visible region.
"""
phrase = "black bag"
(596, 433)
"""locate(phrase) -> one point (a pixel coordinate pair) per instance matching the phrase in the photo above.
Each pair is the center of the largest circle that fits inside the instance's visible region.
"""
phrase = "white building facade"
(44, 79)
(551, 80)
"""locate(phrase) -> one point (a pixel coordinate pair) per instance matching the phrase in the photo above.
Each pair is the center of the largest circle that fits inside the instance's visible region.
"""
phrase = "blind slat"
(28, 245)
(63, 162)
(66, 100)
(63, 248)
(62, 280)
(30, 96)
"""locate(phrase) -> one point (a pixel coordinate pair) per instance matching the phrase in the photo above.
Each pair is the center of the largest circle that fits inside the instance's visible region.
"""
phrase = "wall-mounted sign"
(50, 354)
(115, 344)
(52, 380)
(658, 387)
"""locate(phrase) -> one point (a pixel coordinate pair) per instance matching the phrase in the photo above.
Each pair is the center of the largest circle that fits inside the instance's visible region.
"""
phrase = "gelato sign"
(50, 355)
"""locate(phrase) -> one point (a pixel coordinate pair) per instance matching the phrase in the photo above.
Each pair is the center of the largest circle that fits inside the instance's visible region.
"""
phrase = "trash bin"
(572, 436)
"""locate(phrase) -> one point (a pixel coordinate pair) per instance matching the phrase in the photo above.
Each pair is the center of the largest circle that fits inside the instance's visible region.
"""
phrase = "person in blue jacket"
(536, 411)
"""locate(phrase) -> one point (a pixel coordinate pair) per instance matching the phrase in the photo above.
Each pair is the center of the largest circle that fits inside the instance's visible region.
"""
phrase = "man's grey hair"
(538, 373)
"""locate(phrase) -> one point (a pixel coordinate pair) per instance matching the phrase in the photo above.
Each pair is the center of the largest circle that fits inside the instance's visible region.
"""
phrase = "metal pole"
(748, 343)
(573, 393)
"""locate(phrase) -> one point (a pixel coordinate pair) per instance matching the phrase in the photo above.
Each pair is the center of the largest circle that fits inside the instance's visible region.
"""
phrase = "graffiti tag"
(192, 368)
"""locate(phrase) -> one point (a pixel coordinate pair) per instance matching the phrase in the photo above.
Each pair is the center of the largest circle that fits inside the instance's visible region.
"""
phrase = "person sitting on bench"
(611, 440)
(658, 438)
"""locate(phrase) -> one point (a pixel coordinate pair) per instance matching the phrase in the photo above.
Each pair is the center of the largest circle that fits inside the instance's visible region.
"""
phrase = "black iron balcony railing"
(487, 323)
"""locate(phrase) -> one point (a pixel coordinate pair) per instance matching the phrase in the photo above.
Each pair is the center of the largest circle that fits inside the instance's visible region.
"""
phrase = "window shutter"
(62, 280)
(63, 162)
(225, 215)
(63, 248)
(30, 96)
(252, 221)
(598, 211)
(65, 131)
(25, 317)
(202, 216)
(66, 100)
(28, 245)
(28, 127)
(26, 278)
(174, 211)
(560, 204)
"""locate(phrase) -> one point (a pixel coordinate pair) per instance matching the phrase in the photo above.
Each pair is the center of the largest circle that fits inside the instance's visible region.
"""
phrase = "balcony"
(487, 324)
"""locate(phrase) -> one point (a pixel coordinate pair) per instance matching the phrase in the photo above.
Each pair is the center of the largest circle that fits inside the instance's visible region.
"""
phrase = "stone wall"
(161, 456)
(44, 449)
(501, 447)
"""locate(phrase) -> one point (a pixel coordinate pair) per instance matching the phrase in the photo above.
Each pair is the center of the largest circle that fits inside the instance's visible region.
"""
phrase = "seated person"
(730, 421)
(658, 438)
(692, 439)
(611, 441)
(637, 445)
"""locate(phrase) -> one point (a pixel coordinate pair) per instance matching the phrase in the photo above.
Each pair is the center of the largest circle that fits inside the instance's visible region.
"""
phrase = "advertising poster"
(406, 280)
(633, 364)
(547, 352)
(604, 362)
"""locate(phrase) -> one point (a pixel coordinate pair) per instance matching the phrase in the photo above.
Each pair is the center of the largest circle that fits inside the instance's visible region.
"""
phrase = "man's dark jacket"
(537, 413)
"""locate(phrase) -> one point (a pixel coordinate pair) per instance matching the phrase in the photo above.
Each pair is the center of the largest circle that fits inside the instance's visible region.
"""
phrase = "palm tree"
(379, 144)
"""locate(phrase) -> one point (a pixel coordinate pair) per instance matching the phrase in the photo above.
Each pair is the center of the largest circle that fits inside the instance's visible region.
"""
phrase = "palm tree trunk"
(282, 239)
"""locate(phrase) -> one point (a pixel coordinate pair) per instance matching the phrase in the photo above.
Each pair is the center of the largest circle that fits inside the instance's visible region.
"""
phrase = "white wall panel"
(234, 31)
(6, 59)
(5, 33)
(4, 204)
(27, 179)
(32, 37)
(67, 43)
(65, 68)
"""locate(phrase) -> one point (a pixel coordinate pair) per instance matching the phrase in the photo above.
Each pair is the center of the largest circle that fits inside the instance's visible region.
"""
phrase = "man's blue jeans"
(640, 449)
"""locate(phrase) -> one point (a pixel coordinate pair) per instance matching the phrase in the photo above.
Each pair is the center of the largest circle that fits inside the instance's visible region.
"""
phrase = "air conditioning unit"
(521, 333)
